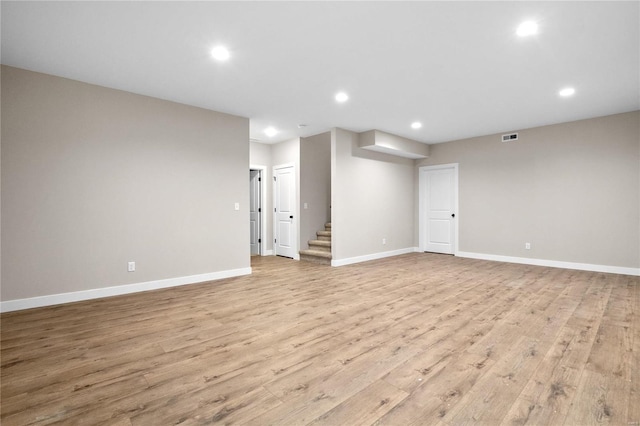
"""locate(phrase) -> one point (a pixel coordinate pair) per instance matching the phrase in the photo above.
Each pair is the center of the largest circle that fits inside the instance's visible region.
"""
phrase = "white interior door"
(439, 186)
(255, 210)
(285, 211)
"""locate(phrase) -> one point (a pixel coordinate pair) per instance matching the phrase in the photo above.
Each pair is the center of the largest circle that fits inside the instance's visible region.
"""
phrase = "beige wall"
(259, 154)
(93, 178)
(287, 152)
(372, 198)
(572, 190)
(315, 185)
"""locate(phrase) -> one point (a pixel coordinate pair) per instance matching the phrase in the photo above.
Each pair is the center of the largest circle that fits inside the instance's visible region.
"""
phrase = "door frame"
(263, 206)
(296, 213)
(422, 206)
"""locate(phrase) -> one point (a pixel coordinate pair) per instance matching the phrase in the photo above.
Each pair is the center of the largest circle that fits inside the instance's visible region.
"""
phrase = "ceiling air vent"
(510, 137)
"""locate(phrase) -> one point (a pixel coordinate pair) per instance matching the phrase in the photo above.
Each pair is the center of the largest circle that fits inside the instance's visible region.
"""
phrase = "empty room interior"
(337, 213)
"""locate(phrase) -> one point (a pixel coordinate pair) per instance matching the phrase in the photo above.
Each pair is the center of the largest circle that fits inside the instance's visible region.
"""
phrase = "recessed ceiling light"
(567, 91)
(527, 28)
(220, 53)
(270, 131)
(416, 125)
(342, 97)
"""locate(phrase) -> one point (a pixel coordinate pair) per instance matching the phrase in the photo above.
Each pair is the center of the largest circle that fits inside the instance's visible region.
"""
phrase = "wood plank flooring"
(418, 339)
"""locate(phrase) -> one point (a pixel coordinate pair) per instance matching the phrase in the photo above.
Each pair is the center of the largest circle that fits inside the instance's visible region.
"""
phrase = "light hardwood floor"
(418, 339)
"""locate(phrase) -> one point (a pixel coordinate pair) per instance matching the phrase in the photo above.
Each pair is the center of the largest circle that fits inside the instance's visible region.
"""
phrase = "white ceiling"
(458, 67)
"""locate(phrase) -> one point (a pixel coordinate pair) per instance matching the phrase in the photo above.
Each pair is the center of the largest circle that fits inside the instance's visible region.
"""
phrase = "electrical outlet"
(306, 206)
(527, 246)
(237, 206)
(131, 266)
(384, 241)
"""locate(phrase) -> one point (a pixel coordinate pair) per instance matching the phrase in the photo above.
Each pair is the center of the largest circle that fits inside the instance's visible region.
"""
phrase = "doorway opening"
(256, 227)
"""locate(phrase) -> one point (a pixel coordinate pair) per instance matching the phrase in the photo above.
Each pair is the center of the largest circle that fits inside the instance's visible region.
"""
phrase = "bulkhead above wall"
(377, 140)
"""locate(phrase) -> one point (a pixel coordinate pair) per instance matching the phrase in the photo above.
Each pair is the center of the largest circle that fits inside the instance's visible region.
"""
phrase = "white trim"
(268, 253)
(374, 256)
(263, 206)
(552, 263)
(76, 296)
(422, 186)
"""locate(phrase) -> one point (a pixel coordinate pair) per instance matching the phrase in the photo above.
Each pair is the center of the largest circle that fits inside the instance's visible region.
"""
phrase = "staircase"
(320, 249)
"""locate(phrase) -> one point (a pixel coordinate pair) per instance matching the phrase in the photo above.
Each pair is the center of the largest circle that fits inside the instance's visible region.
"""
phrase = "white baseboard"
(374, 256)
(76, 296)
(268, 253)
(552, 263)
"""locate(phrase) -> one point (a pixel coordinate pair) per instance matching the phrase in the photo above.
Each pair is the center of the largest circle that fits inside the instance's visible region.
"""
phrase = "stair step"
(327, 226)
(320, 245)
(316, 256)
(318, 253)
(316, 260)
(324, 235)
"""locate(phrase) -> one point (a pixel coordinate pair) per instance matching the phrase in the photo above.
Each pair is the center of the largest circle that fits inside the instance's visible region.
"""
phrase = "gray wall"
(372, 198)
(94, 177)
(315, 185)
(572, 190)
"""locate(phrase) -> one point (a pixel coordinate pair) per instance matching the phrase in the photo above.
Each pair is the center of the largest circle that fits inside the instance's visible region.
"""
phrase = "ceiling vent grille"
(510, 137)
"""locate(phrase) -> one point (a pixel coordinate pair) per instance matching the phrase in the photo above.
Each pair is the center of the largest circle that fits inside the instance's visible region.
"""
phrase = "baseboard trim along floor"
(552, 263)
(373, 256)
(76, 296)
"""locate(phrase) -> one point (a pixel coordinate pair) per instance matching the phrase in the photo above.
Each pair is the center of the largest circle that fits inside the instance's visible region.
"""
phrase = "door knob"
(290, 217)
(453, 215)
